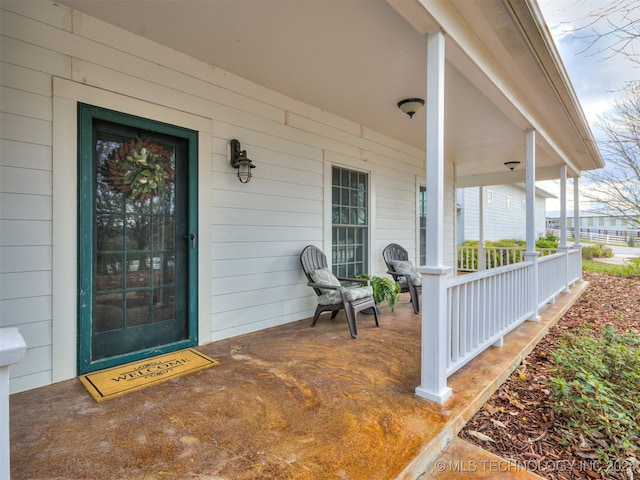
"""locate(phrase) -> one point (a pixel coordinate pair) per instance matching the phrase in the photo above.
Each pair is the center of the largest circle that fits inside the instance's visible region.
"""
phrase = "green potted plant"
(384, 290)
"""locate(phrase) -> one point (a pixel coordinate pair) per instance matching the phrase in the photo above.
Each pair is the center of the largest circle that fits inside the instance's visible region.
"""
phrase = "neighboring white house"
(504, 212)
(310, 89)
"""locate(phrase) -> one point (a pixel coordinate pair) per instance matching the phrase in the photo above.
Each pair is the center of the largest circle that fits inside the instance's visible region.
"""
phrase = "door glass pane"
(137, 311)
(163, 234)
(164, 304)
(109, 232)
(137, 231)
(109, 272)
(109, 313)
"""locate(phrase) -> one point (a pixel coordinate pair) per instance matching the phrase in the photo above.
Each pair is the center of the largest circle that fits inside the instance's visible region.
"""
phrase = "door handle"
(192, 237)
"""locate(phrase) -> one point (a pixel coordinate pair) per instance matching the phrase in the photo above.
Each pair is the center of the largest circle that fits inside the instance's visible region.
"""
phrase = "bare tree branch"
(620, 34)
(616, 189)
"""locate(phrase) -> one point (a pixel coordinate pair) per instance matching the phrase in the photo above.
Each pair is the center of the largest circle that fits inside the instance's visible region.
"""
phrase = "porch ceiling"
(357, 59)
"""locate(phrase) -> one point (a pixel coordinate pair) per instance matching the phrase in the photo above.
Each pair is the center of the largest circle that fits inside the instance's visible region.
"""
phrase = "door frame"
(86, 201)
(61, 355)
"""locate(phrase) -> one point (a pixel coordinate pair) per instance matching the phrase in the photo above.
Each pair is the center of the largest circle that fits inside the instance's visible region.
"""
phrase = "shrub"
(507, 242)
(596, 251)
(595, 382)
(546, 243)
(631, 269)
(470, 243)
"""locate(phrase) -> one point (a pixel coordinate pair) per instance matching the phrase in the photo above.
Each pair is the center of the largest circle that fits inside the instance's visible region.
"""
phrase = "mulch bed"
(519, 420)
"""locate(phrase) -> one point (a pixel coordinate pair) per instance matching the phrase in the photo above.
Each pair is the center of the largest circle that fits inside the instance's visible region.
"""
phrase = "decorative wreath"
(140, 168)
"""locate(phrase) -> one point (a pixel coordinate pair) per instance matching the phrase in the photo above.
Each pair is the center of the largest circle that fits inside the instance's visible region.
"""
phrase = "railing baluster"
(484, 306)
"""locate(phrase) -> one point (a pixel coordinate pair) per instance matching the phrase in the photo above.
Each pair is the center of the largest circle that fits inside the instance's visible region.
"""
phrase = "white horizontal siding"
(25, 155)
(27, 104)
(28, 381)
(25, 259)
(227, 285)
(25, 129)
(395, 219)
(17, 311)
(37, 362)
(33, 57)
(449, 227)
(25, 284)
(500, 222)
(14, 206)
(36, 334)
(24, 79)
(257, 230)
(25, 181)
(24, 232)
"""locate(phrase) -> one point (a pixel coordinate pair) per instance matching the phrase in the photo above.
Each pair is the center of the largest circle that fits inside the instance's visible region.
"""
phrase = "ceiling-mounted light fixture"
(238, 159)
(512, 164)
(410, 105)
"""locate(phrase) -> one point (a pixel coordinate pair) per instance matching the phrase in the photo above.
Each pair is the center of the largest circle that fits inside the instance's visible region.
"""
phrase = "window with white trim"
(350, 222)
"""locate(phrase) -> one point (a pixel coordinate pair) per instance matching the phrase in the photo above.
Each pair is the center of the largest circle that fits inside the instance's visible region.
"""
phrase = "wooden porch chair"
(332, 295)
(403, 272)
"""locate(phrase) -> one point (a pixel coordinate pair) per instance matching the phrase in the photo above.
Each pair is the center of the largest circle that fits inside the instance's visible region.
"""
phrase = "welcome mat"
(116, 381)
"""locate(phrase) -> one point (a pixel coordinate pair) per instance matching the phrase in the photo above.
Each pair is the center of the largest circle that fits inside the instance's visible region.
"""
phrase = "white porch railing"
(575, 266)
(485, 306)
(482, 307)
(550, 277)
(494, 256)
(557, 273)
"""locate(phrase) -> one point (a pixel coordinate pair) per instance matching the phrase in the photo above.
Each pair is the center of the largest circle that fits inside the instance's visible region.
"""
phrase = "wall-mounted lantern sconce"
(239, 160)
(512, 164)
(410, 105)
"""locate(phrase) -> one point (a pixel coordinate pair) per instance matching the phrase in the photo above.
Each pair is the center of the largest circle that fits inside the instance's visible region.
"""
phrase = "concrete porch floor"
(291, 402)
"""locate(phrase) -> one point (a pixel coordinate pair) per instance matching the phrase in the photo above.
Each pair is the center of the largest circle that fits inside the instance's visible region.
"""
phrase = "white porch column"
(435, 341)
(482, 257)
(563, 206)
(12, 350)
(563, 225)
(576, 212)
(576, 220)
(531, 255)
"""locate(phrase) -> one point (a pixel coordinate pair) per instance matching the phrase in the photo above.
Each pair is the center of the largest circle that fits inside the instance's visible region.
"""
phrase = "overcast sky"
(596, 73)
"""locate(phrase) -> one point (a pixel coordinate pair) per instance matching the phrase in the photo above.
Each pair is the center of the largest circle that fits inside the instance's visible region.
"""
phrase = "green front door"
(137, 238)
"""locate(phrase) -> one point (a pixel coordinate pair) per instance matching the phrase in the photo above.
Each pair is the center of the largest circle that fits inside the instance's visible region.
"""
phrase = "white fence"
(630, 239)
(484, 306)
